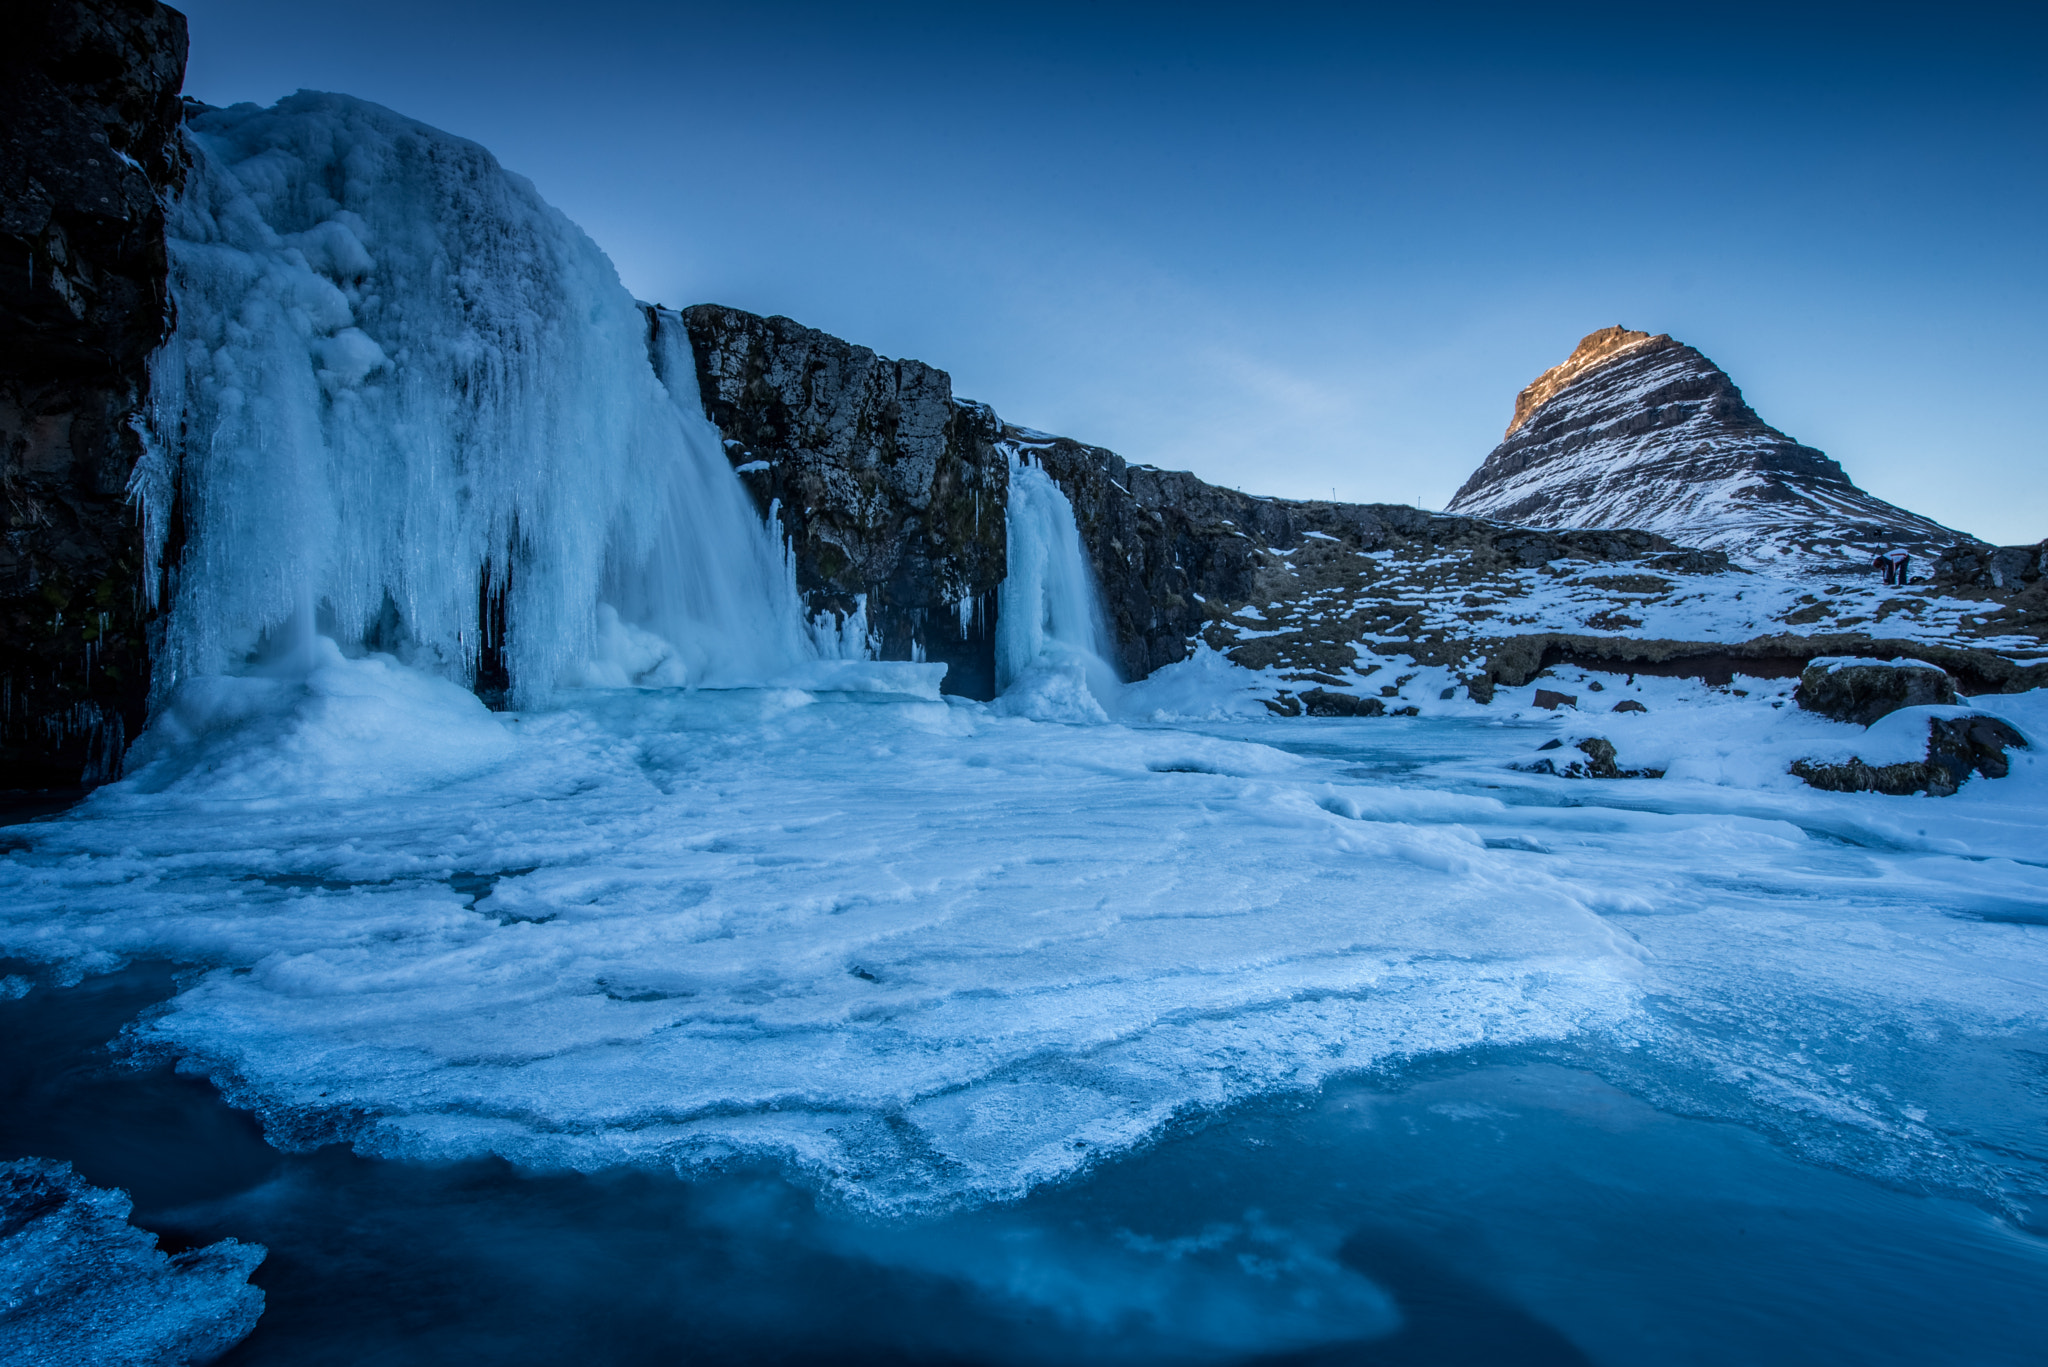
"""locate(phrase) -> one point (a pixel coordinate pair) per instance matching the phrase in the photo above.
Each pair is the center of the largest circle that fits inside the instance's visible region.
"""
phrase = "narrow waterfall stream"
(1052, 645)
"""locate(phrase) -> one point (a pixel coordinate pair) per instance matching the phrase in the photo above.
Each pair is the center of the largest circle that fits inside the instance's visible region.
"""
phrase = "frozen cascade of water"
(401, 384)
(716, 582)
(1052, 646)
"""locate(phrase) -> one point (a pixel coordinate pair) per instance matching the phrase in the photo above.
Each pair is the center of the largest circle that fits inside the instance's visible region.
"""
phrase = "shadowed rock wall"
(888, 489)
(89, 144)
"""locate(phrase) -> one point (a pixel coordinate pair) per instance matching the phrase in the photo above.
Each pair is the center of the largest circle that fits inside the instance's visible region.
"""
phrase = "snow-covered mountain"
(1634, 430)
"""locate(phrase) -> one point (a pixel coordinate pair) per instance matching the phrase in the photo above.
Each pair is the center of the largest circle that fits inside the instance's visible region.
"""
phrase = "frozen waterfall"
(408, 400)
(1052, 647)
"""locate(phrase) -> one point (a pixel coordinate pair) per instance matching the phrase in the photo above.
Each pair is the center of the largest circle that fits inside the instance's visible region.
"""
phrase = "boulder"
(1956, 748)
(1861, 691)
(1550, 701)
(1599, 762)
(1321, 702)
(1629, 705)
(1977, 743)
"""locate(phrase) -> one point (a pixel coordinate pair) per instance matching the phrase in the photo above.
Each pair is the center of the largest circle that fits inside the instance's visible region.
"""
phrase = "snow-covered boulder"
(1861, 691)
(1959, 744)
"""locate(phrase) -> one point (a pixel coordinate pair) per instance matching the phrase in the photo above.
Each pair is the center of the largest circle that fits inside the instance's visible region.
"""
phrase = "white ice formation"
(1052, 646)
(400, 385)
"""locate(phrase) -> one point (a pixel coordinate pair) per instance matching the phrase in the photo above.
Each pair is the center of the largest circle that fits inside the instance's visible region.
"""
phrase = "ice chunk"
(80, 1285)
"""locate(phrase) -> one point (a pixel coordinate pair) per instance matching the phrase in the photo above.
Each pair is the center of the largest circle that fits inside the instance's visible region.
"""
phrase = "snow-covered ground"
(1344, 612)
(927, 954)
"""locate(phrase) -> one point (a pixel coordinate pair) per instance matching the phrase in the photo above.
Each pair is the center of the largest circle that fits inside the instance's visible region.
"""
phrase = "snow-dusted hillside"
(1641, 431)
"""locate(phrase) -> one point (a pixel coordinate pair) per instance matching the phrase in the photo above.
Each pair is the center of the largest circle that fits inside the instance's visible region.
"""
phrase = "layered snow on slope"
(1644, 432)
(81, 1287)
(924, 953)
(400, 385)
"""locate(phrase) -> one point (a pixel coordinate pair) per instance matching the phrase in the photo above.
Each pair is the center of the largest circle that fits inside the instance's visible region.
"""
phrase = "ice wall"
(402, 384)
(1052, 645)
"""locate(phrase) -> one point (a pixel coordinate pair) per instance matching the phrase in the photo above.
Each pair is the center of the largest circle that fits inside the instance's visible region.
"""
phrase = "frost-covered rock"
(1635, 430)
(1957, 746)
(1861, 691)
(81, 1287)
(1599, 761)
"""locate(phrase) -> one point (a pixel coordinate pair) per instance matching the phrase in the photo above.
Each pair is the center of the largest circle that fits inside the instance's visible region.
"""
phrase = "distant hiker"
(1898, 560)
(1883, 562)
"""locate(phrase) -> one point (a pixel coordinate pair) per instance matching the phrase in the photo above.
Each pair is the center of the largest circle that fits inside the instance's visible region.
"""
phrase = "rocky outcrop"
(2001, 569)
(1598, 761)
(1516, 660)
(1861, 691)
(89, 109)
(1636, 430)
(2011, 583)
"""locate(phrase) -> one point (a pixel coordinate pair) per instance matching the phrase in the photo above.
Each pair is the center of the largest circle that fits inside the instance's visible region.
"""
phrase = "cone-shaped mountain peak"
(1636, 430)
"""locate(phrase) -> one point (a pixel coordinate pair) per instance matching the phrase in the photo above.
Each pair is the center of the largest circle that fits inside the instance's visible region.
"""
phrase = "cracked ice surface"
(924, 953)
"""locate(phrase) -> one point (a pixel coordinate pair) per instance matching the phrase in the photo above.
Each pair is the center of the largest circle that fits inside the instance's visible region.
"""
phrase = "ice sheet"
(925, 953)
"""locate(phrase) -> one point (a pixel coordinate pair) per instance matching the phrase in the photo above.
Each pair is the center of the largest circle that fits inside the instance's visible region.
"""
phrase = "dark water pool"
(1483, 1210)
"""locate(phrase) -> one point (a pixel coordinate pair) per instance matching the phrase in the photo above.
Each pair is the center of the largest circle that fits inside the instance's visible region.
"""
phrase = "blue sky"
(1296, 249)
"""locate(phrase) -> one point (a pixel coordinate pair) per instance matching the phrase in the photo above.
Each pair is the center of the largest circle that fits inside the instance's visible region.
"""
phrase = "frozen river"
(820, 1025)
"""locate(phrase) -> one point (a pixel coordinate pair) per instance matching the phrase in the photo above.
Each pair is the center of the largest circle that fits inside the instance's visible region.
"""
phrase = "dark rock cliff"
(90, 113)
(1640, 431)
(892, 489)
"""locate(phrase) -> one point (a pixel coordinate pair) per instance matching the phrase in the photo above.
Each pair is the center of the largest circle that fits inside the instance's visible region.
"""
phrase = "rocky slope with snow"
(892, 491)
(1634, 430)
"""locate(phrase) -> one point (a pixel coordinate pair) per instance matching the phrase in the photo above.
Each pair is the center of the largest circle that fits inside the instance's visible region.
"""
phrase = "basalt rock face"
(89, 145)
(1643, 431)
(891, 492)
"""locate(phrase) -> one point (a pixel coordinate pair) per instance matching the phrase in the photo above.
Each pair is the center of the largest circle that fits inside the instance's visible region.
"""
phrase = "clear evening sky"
(1296, 249)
